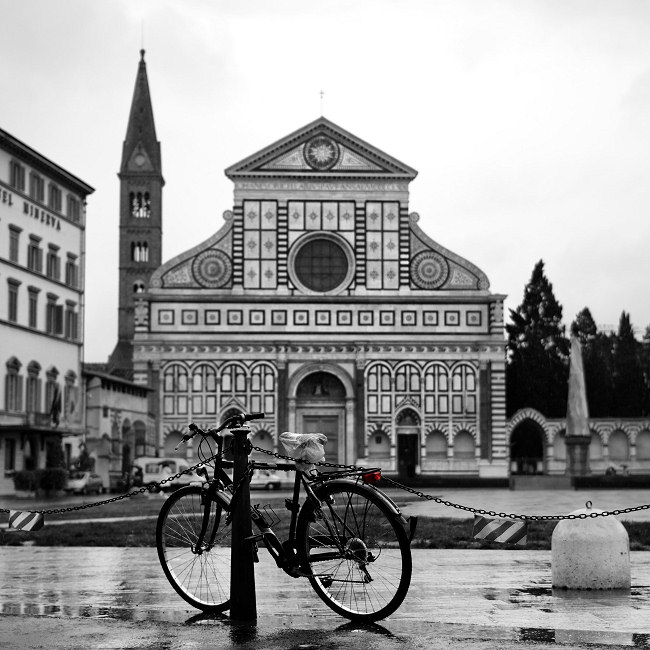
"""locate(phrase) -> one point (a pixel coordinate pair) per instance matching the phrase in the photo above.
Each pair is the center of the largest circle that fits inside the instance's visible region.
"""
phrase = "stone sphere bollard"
(592, 553)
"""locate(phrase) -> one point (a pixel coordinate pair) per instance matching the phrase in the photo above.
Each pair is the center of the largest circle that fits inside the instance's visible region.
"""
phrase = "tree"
(645, 366)
(627, 377)
(538, 351)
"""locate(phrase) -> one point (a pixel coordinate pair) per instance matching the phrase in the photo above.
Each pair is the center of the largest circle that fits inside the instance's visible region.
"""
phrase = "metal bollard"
(243, 605)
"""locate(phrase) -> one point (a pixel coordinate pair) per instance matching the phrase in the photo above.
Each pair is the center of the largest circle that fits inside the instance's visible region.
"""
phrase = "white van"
(150, 470)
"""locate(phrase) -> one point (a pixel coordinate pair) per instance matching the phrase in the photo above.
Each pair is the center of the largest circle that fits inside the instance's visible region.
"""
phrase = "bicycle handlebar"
(232, 422)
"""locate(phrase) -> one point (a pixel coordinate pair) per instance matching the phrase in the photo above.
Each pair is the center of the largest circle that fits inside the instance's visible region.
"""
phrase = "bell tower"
(141, 184)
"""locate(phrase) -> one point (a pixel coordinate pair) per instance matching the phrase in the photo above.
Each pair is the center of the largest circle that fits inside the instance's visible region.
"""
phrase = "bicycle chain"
(323, 463)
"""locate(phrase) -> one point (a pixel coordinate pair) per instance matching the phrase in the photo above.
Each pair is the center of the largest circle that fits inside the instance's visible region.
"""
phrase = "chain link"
(356, 468)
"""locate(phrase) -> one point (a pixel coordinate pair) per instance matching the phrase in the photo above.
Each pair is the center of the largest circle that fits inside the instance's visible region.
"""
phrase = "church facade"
(321, 302)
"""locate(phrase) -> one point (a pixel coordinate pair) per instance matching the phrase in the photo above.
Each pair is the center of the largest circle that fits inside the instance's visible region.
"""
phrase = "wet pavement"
(78, 597)
(64, 597)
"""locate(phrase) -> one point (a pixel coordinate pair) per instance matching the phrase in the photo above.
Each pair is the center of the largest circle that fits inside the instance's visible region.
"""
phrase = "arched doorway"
(407, 426)
(320, 408)
(527, 449)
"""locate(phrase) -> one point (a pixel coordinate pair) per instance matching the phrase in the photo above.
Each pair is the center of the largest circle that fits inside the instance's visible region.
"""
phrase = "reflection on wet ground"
(498, 594)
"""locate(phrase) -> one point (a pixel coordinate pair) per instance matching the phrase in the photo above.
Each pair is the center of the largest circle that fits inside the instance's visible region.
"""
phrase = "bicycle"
(347, 537)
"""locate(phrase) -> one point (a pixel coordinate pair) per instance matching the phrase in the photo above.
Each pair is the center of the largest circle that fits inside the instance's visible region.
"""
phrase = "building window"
(17, 176)
(321, 265)
(138, 287)
(35, 254)
(36, 187)
(53, 266)
(53, 316)
(464, 445)
(436, 445)
(14, 240)
(10, 455)
(13, 386)
(71, 322)
(139, 252)
(33, 306)
(140, 205)
(52, 393)
(72, 271)
(12, 308)
(54, 198)
(71, 397)
(74, 209)
(33, 388)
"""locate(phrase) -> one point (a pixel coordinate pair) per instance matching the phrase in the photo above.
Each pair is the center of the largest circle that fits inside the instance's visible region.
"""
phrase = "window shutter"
(58, 319)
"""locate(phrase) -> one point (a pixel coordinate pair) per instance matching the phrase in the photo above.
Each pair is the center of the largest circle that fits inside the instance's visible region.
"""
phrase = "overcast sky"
(528, 121)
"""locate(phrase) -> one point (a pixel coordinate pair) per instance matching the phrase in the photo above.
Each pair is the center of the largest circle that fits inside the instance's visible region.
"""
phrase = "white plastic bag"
(306, 447)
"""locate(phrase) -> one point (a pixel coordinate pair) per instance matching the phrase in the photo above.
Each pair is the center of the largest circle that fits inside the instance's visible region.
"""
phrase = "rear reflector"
(372, 477)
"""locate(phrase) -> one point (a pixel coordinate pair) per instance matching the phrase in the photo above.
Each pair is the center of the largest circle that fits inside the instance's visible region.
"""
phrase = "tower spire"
(141, 183)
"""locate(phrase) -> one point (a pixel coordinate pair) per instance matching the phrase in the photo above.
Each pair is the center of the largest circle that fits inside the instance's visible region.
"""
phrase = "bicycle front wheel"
(356, 551)
(200, 573)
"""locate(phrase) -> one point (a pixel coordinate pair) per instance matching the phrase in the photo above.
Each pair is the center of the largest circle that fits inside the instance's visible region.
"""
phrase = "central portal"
(320, 408)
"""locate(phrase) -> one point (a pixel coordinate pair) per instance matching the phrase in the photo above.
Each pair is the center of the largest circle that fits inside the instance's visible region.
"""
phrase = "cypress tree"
(538, 351)
(628, 381)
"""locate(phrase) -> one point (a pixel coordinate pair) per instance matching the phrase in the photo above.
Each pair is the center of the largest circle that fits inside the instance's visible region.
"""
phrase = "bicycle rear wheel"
(200, 575)
(356, 551)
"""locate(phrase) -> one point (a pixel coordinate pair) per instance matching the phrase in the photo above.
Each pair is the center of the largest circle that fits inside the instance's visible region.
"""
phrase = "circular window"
(322, 264)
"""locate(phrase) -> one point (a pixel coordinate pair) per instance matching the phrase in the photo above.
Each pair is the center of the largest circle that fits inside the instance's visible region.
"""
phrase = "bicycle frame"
(220, 490)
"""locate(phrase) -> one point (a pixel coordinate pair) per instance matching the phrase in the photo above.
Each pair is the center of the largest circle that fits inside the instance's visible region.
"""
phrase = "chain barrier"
(356, 468)
(145, 488)
(458, 506)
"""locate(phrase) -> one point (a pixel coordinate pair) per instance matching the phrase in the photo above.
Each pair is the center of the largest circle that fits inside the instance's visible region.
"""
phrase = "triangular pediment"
(321, 149)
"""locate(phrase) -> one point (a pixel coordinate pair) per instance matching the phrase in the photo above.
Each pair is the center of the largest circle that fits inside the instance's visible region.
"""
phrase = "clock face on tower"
(321, 153)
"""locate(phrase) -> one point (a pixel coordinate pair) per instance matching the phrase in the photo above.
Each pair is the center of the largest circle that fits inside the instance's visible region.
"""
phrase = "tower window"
(138, 287)
(140, 205)
(139, 252)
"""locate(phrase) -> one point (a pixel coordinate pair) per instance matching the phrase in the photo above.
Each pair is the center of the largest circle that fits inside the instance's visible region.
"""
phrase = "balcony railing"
(25, 420)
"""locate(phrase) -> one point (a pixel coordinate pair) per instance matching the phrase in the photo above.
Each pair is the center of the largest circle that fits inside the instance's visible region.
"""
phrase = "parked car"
(148, 470)
(84, 482)
(264, 479)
